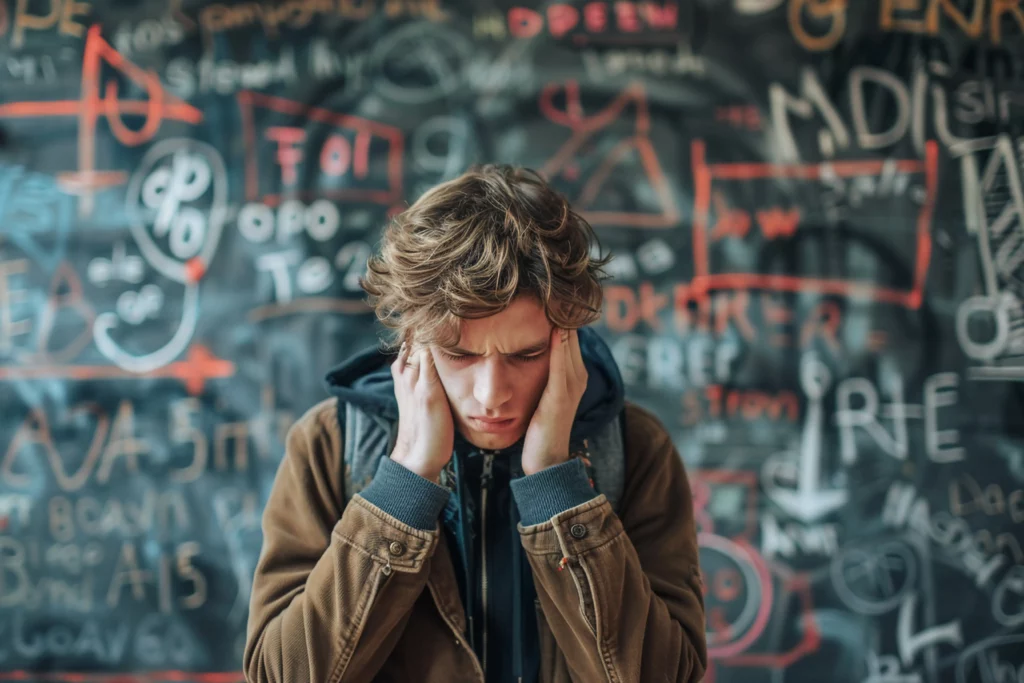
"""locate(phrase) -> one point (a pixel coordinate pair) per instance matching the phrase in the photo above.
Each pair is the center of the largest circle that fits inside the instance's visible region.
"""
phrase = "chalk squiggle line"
(142, 364)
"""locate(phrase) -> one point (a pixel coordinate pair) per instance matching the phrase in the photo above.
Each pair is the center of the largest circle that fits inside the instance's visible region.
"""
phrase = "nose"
(492, 386)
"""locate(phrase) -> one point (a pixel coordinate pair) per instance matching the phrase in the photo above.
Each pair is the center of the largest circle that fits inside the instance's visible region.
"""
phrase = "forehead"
(520, 325)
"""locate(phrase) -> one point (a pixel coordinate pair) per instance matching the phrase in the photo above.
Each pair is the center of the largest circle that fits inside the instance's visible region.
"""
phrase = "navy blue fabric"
(542, 495)
(405, 495)
(512, 644)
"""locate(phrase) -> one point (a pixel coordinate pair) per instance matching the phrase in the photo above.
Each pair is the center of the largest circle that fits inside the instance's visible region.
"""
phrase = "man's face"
(498, 369)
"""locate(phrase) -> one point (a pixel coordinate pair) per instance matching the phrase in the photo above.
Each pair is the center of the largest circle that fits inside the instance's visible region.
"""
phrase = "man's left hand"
(547, 437)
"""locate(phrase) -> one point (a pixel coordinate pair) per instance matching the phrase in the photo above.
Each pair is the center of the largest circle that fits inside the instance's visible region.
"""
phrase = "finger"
(415, 362)
(429, 372)
(557, 365)
(576, 354)
(399, 363)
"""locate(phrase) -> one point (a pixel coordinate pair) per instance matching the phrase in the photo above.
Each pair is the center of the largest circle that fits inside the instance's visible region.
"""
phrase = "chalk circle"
(863, 577)
(720, 556)
(182, 271)
(996, 309)
(455, 157)
(435, 56)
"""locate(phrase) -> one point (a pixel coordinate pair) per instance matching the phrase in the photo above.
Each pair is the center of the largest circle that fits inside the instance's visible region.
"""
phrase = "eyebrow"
(525, 351)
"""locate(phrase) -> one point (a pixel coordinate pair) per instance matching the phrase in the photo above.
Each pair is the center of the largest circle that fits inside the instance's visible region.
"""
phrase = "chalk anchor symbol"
(808, 501)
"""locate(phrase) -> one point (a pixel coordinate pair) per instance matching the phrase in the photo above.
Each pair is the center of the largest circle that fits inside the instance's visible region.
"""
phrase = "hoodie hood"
(365, 381)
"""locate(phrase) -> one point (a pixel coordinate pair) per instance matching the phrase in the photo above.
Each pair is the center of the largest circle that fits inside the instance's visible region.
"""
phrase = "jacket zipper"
(485, 483)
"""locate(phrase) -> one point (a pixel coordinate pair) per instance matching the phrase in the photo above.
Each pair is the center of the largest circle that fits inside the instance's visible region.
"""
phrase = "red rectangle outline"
(703, 173)
(248, 100)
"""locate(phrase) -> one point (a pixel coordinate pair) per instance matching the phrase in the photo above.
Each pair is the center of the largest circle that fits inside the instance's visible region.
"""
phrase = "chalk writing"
(591, 20)
(66, 15)
(129, 574)
(85, 638)
(990, 325)
(966, 497)
(727, 316)
(790, 539)
(672, 363)
(904, 508)
(187, 78)
(715, 219)
(161, 515)
(940, 391)
(297, 14)
(984, 658)
(635, 146)
(343, 161)
(819, 25)
(148, 34)
(716, 402)
(36, 214)
(927, 17)
(157, 106)
(611, 62)
(23, 584)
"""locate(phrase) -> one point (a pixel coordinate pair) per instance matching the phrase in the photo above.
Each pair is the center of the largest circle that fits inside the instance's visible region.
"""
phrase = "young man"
(480, 504)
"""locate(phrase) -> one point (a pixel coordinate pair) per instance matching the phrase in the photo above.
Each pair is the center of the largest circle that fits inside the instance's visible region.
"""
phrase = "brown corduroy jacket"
(349, 593)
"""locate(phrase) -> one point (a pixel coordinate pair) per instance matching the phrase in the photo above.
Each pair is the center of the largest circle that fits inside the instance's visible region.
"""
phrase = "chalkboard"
(817, 213)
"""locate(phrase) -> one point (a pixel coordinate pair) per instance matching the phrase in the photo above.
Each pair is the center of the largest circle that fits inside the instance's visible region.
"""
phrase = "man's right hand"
(426, 430)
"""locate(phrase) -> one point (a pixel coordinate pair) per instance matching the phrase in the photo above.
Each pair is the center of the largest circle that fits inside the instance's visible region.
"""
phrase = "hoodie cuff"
(405, 495)
(542, 495)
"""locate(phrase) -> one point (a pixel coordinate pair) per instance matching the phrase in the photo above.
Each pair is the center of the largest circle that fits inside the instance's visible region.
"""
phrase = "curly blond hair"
(468, 247)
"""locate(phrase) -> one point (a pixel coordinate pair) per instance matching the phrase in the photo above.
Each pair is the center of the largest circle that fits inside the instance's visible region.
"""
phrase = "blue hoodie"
(485, 497)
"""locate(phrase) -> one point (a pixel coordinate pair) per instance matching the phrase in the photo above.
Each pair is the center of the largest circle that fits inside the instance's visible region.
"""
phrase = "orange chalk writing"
(346, 152)
(35, 429)
(336, 157)
(635, 143)
(288, 156)
(717, 402)
(593, 18)
(198, 366)
(731, 222)
(831, 12)
(926, 17)
(740, 116)
(62, 13)
(92, 104)
(776, 223)
(784, 222)
(297, 14)
(625, 309)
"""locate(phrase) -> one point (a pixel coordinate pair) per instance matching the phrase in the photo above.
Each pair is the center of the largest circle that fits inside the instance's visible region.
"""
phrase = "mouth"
(485, 424)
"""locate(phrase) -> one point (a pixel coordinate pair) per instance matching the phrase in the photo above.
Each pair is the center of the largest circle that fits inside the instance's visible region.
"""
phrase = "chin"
(492, 442)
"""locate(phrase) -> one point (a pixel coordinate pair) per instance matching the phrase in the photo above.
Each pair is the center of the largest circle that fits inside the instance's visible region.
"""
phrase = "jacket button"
(578, 531)
(396, 548)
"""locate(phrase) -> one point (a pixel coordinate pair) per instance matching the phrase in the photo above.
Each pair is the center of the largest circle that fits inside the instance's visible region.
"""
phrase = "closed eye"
(517, 358)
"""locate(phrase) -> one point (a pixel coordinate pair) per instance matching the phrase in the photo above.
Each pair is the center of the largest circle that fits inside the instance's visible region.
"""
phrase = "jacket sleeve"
(334, 587)
(626, 603)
